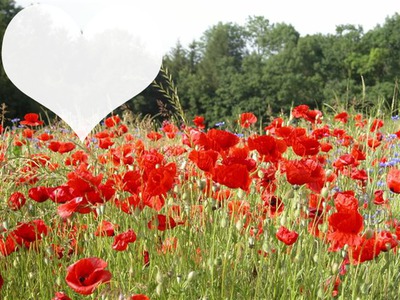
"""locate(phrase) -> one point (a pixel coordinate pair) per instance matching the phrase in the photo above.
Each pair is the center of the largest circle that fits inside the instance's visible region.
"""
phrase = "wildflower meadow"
(305, 206)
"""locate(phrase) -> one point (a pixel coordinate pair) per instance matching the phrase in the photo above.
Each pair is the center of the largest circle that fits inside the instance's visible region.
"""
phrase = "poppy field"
(306, 207)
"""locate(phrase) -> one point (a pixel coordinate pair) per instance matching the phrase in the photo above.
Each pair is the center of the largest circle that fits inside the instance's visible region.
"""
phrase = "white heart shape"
(80, 76)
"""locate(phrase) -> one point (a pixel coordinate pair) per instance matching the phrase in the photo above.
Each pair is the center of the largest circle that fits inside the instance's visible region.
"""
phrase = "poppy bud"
(159, 277)
(369, 234)
(239, 225)
(335, 268)
(159, 289)
(251, 243)
(324, 192)
(191, 275)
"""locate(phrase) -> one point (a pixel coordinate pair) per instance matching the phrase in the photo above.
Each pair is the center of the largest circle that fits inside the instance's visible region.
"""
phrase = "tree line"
(262, 67)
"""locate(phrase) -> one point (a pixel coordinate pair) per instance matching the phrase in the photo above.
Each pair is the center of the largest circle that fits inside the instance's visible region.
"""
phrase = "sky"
(185, 20)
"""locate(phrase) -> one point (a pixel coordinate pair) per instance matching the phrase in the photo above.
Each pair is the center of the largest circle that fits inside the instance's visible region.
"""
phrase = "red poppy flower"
(1, 281)
(386, 240)
(112, 121)
(28, 133)
(61, 296)
(272, 205)
(122, 240)
(393, 180)
(304, 146)
(204, 159)
(170, 129)
(376, 124)
(146, 258)
(247, 119)
(169, 245)
(77, 157)
(305, 171)
(31, 119)
(16, 201)
(378, 197)
(77, 204)
(233, 176)
(161, 180)
(31, 231)
(286, 236)
(342, 117)
(304, 112)
(161, 223)
(154, 136)
(60, 194)
(105, 143)
(45, 137)
(270, 148)
(106, 228)
(199, 122)
(345, 201)
(221, 140)
(87, 274)
(367, 249)
(344, 229)
(139, 297)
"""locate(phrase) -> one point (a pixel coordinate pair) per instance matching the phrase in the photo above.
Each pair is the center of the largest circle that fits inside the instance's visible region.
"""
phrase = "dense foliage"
(264, 67)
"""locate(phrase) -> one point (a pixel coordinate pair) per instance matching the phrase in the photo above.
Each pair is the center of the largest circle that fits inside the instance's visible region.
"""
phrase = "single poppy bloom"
(169, 245)
(204, 159)
(16, 201)
(342, 117)
(286, 236)
(146, 258)
(393, 180)
(31, 119)
(122, 240)
(161, 180)
(39, 194)
(247, 119)
(87, 274)
(344, 229)
(28, 133)
(386, 240)
(345, 201)
(199, 122)
(106, 228)
(112, 121)
(378, 197)
(270, 148)
(154, 136)
(105, 143)
(77, 204)
(45, 137)
(161, 223)
(221, 140)
(376, 124)
(304, 146)
(170, 129)
(66, 147)
(368, 249)
(233, 176)
(272, 205)
(31, 231)
(305, 171)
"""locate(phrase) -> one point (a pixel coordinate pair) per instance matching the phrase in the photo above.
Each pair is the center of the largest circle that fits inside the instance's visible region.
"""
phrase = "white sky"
(186, 20)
